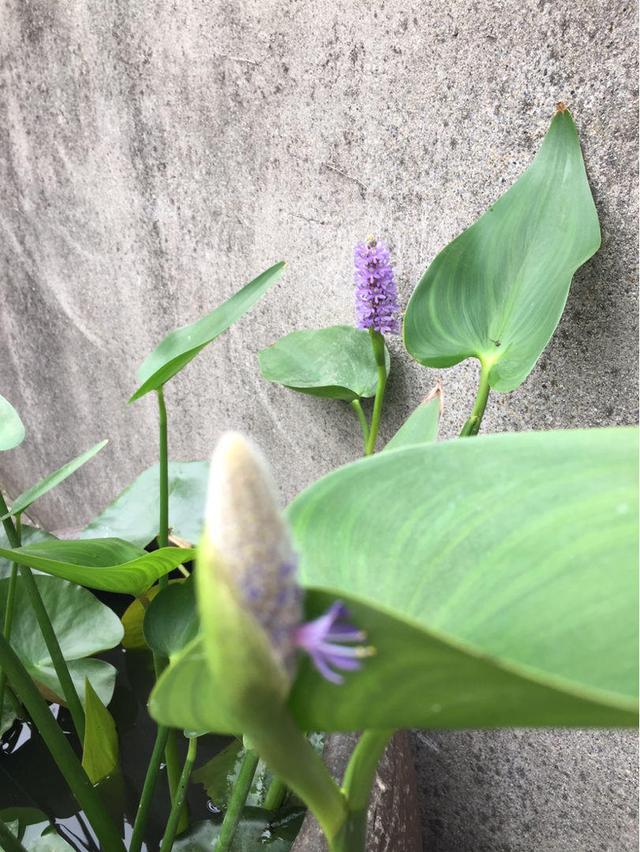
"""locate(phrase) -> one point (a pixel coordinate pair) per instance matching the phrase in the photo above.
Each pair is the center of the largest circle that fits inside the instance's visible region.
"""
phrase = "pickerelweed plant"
(492, 583)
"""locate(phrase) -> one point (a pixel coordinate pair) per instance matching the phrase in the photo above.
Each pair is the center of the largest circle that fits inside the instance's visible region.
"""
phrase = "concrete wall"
(156, 155)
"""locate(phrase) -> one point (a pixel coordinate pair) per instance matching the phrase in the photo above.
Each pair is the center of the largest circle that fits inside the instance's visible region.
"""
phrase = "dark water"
(29, 777)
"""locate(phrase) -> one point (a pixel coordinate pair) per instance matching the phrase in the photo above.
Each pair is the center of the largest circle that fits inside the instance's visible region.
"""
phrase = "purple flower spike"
(325, 638)
(376, 292)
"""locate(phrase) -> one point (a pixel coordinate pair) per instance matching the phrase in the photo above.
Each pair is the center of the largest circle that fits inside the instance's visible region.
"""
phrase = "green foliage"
(107, 564)
(502, 595)
(421, 427)
(256, 829)
(83, 625)
(171, 620)
(22, 503)
(29, 534)
(182, 345)
(133, 515)
(100, 747)
(498, 290)
(335, 362)
(11, 427)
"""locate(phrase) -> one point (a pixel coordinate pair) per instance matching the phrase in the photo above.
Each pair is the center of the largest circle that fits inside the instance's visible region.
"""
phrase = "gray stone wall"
(154, 156)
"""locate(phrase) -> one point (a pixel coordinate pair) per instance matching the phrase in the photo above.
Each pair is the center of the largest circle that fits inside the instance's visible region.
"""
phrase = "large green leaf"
(100, 746)
(498, 290)
(22, 503)
(108, 564)
(29, 535)
(182, 345)
(336, 362)
(421, 427)
(171, 619)
(133, 515)
(83, 626)
(11, 426)
(496, 580)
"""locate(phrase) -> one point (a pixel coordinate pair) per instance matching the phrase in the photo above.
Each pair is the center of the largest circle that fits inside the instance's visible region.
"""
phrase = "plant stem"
(8, 621)
(377, 342)
(472, 426)
(357, 407)
(69, 691)
(61, 751)
(171, 748)
(8, 841)
(238, 798)
(163, 531)
(148, 788)
(288, 753)
(356, 785)
(176, 808)
(275, 794)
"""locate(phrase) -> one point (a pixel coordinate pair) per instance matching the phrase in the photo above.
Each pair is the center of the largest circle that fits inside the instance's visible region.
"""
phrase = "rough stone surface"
(155, 156)
(393, 818)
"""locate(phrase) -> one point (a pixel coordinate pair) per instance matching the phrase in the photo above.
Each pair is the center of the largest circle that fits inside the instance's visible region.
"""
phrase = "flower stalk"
(472, 426)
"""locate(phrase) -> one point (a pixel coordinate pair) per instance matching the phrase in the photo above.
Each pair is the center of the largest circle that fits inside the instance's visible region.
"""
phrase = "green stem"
(472, 426)
(357, 407)
(176, 808)
(275, 794)
(163, 532)
(60, 749)
(289, 754)
(236, 803)
(55, 652)
(51, 640)
(377, 342)
(171, 755)
(9, 842)
(356, 785)
(140, 824)
(8, 621)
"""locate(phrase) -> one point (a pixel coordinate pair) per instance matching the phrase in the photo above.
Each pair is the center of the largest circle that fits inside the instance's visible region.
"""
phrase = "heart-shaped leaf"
(108, 564)
(133, 515)
(335, 362)
(171, 620)
(496, 584)
(11, 426)
(83, 626)
(421, 427)
(22, 503)
(498, 290)
(182, 345)
(100, 746)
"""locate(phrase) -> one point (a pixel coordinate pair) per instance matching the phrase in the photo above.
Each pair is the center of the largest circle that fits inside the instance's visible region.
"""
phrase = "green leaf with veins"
(336, 362)
(83, 626)
(497, 291)
(22, 503)
(182, 345)
(133, 515)
(107, 564)
(504, 594)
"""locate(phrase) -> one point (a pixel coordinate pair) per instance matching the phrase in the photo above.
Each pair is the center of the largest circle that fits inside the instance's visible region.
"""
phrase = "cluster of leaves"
(495, 577)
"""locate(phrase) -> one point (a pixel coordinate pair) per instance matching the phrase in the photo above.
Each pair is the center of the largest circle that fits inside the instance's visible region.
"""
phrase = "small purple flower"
(329, 642)
(376, 292)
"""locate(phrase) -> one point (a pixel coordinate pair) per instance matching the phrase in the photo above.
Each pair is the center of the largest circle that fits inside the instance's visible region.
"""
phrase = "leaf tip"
(436, 392)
